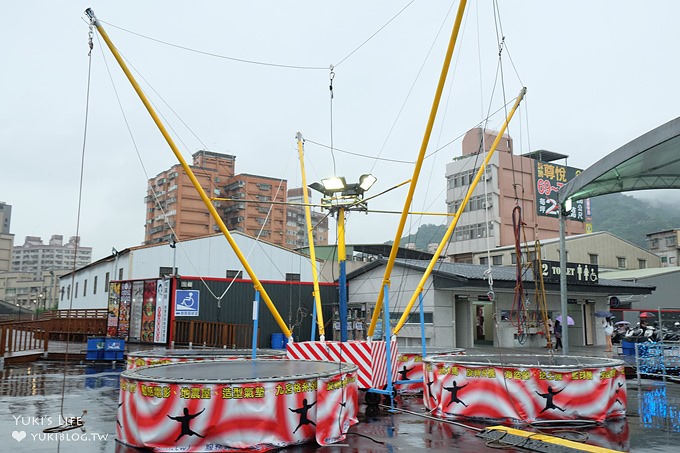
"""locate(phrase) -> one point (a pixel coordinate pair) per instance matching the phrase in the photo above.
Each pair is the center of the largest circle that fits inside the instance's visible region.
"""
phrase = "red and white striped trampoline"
(410, 367)
(226, 405)
(525, 388)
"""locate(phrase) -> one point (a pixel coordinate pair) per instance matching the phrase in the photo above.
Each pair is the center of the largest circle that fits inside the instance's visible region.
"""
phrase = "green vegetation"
(632, 218)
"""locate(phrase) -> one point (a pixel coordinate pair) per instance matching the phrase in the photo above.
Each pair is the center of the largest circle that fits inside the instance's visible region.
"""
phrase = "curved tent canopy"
(651, 161)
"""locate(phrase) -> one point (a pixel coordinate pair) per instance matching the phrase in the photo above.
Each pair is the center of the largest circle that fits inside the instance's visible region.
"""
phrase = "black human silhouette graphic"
(429, 390)
(303, 414)
(184, 422)
(403, 372)
(454, 394)
(616, 392)
(549, 404)
(118, 421)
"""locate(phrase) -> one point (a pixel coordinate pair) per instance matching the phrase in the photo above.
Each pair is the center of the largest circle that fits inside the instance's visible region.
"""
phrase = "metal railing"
(90, 313)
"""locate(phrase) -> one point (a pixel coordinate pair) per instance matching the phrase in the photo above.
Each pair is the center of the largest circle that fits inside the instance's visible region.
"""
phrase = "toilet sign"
(186, 302)
(577, 273)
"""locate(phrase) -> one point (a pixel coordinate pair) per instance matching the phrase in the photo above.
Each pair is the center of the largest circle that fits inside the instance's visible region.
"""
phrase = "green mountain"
(623, 215)
(632, 218)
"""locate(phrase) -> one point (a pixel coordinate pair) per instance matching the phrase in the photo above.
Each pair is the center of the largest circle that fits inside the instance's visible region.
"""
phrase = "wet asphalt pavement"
(43, 394)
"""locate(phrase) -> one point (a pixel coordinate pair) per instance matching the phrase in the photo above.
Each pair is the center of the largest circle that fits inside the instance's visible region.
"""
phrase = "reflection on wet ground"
(31, 400)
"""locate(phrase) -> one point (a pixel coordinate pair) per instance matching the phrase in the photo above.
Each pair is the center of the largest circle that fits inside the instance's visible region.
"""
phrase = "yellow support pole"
(550, 442)
(419, 164)
(310, 238)
(342, 252)
(190, 173)
(454, 221)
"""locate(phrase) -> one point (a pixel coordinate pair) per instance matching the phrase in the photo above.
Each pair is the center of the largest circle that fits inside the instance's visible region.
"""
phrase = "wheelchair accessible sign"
(186, 302)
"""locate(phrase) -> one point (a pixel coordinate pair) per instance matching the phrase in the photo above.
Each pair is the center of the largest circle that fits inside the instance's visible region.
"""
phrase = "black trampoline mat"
(201, 353)
(526, 361)
(229, 371)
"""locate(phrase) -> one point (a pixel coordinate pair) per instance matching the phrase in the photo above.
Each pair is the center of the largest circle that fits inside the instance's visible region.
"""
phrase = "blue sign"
(186, 302)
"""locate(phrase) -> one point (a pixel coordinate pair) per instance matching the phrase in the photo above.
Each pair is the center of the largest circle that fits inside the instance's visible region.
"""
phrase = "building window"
(474, 231)
(483, 260)
(120, 273)
(292, 277)
(75, 292)
(68, 292)
(621, 262)
(85, 288)
(653, 244)
(412, 318)
(642, 264)
(528, 257)
(664, 259)
(497, 260)
(670, 241)
(166, 271)
(231, 273)
(94, 285)
(593, 258)
(106, 283)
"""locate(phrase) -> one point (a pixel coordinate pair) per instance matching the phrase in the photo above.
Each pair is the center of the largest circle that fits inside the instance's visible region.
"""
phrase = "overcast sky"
(598, 75)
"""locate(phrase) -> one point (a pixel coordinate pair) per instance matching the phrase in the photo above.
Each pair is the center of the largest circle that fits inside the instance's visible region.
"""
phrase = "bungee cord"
(264, 63)
(75, 422)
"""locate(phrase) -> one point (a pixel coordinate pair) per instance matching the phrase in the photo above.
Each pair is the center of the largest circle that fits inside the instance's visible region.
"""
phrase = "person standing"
(608, 331)
(558, 334)
(550, 333)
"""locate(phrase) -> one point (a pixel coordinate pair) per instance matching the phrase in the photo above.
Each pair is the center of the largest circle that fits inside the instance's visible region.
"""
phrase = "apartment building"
(664, 244)
(25, 290)
(6, 238)
(32, 281)
(173, 204)
(296, 223)
(256, 206)
(248, 203)
(511, 185)
(34, 257)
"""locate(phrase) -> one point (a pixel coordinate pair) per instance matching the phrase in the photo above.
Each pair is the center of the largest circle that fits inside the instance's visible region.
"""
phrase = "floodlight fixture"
(566, 207)
(318, 187)
(334, 184)
(367, 181)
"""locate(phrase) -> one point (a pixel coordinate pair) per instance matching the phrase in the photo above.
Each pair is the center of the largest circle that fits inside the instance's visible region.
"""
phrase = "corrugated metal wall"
(293, 300)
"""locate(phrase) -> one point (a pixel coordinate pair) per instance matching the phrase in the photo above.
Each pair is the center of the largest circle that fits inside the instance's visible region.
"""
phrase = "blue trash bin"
(279, 341)
(114, 349)
(95, 348)
(627, 347)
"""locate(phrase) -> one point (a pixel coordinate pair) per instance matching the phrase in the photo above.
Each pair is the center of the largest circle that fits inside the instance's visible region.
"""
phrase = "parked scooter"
(642, 333)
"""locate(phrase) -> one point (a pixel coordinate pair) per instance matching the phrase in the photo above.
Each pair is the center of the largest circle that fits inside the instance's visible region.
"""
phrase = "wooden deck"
(63, 335)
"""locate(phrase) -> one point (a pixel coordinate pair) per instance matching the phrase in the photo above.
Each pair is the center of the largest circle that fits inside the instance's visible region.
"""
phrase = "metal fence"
(659, 359)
